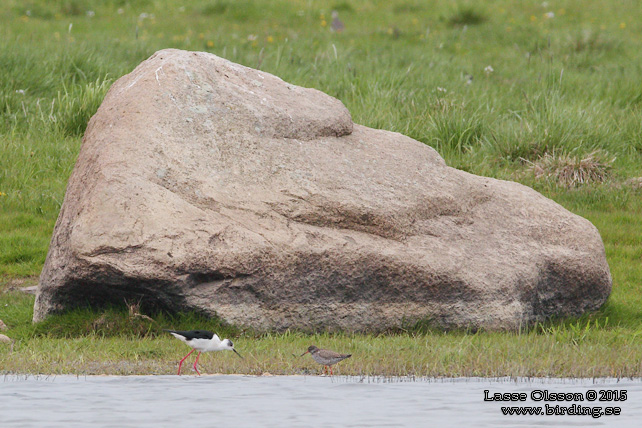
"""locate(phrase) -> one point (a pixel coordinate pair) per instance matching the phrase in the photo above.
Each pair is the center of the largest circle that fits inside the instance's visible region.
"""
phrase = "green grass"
(560, 89)
(117, 342)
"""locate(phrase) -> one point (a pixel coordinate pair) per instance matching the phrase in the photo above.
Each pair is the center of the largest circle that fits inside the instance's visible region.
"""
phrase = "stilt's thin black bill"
(237, 353)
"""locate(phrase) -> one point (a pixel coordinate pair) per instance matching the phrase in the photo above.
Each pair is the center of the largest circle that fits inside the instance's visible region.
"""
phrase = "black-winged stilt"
(326, 357)
(202, 341)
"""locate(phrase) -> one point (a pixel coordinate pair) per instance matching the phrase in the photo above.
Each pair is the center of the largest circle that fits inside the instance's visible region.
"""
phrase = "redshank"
(326, 357)
(336, 25)
(202, 341)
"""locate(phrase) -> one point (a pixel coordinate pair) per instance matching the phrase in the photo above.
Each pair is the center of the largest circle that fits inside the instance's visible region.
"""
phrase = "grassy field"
(545, 93)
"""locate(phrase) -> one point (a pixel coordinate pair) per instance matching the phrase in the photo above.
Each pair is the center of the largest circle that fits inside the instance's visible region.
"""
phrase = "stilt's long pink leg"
(196, 362)
(181, 363)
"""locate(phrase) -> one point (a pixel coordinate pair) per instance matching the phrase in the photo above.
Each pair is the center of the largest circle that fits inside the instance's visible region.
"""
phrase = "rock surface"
(203, 184)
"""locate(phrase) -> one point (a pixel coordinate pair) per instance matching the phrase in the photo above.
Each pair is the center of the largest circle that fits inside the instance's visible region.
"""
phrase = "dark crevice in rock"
(114, 250)
(331, 216)
(198, 278)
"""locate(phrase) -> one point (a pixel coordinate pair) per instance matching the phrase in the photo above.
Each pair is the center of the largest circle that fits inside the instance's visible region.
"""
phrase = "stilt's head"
(311, 349)
(227, 345)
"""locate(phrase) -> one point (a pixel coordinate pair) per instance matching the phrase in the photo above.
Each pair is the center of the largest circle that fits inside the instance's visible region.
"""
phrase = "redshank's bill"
(202, 341)
(326, 357)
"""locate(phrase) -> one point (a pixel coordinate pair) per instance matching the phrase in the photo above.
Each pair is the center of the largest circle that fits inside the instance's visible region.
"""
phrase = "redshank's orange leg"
(196, 362)
(181, 363)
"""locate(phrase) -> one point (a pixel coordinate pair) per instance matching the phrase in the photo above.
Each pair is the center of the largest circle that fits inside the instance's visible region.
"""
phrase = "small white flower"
(90, 13)
(20, 91)
(252, 37)
(545, 4)
(440, 89)
(143, 15)
(549, 15)
(488, 70)
(120, 11)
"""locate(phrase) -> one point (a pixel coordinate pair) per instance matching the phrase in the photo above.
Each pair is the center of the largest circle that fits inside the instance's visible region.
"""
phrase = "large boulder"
(202, 184)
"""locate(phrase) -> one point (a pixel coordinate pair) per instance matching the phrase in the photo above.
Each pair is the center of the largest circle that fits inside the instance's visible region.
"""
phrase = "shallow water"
(293, 401)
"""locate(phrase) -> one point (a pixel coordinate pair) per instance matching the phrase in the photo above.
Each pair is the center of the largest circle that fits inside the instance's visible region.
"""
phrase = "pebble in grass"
(6, 339)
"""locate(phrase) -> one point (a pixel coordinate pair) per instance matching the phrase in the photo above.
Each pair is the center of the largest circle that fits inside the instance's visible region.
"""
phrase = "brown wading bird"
(326, 357)
(336, 25)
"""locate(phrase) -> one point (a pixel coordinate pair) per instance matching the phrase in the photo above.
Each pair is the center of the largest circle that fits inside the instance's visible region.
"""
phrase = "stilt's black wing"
(194, 334)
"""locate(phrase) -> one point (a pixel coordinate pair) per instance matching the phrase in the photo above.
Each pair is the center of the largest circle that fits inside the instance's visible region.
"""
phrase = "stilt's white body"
(202, 341)
(204, 345)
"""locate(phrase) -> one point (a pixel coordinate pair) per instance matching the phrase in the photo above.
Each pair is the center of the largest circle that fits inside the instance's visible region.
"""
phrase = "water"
(297, 401)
